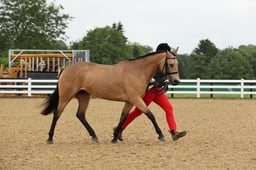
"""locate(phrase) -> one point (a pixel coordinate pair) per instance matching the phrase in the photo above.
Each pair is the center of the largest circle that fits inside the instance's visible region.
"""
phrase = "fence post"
(251, 95)
(198, 87)
(29, 86)
(242, 89)
(172, 95)
(211, 89)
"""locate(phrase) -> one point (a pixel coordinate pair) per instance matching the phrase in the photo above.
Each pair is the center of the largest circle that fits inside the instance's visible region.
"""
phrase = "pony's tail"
(51, 102)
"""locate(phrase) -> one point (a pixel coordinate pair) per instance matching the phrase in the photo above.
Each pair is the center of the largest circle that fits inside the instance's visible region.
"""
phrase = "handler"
(156, 93)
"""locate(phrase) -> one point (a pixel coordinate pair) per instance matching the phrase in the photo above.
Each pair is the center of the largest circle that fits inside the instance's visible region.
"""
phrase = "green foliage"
(230, 64)
(200, 58)
(183, 63)
(207, 48)
(4, 61)
(207, 62)
(108, 45)
(197, 66)
(249, 52)
(138, 50)
(31, 24)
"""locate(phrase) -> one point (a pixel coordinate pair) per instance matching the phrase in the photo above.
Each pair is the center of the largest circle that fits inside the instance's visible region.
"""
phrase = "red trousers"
(159, 99)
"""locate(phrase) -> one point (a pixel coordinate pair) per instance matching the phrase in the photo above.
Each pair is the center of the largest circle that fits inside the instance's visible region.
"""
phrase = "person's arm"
(152, 83)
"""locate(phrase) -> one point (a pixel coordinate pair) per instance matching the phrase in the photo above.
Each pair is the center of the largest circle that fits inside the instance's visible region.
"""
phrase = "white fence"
(198, 87)
(226, 87)
(27, 86)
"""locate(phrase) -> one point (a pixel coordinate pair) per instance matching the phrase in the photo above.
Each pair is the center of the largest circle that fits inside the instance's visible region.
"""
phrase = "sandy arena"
(221, 135)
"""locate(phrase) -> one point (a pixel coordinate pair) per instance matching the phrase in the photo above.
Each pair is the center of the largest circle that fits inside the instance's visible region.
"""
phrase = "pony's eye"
(171, 65)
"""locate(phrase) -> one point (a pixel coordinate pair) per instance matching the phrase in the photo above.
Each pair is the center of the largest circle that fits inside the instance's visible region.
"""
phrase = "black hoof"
(121, 139)
(114, 141)
(49, 141)
(161, 138)
(119, 136)
(95, 139)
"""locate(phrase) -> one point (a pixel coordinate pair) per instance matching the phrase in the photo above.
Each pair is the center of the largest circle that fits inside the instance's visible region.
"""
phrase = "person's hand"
(155, 84)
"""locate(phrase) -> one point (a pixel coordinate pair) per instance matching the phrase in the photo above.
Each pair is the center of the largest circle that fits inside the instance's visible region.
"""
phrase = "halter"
(165, 69)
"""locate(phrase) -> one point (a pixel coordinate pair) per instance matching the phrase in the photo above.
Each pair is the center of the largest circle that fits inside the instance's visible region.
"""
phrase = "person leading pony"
(156, 93)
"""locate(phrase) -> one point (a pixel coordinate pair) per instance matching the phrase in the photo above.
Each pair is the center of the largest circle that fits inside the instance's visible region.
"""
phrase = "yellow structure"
(23, 61)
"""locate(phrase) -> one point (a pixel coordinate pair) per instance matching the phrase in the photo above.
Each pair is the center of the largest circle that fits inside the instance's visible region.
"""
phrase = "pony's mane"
(149, 54)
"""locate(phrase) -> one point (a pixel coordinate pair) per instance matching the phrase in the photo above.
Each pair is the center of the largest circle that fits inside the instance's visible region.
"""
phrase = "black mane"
(149, 54)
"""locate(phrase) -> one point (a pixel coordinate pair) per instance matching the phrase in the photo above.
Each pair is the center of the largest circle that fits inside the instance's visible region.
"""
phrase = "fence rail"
(198, 87)
(226, 87)
(27, 86)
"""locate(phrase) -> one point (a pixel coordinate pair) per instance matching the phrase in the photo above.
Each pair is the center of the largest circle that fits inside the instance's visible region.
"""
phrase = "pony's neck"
(150, 65)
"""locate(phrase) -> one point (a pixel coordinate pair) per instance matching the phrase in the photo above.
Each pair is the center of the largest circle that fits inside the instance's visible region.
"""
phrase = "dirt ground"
(221, 135)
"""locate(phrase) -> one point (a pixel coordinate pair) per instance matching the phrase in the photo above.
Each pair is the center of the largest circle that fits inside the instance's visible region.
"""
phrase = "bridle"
(165, 69)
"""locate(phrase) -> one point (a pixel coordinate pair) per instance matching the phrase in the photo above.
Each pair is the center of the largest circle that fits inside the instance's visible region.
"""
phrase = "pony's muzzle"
(174, 81)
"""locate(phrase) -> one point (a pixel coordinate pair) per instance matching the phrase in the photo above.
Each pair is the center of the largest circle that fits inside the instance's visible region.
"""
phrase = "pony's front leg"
(140, 104)
(158, 130)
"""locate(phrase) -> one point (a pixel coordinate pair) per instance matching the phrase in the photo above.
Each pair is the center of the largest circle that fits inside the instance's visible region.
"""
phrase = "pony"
(125, 81)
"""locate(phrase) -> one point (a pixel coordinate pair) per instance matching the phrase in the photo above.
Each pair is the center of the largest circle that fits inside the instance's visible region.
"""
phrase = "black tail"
(51, 102)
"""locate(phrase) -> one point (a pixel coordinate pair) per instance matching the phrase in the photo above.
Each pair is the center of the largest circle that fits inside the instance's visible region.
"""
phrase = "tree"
(200, 58)
(249, 52)
(31, 24)
(183, 63)
(138, 50)
(108, 45)
(230, 64)
(197, 66)
(207, 48)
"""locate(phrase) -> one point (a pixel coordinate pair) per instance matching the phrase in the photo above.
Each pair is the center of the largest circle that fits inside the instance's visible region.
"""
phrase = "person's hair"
(163, 47)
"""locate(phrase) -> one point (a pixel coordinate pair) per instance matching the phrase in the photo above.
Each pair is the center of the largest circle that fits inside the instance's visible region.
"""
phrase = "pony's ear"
(175, 51)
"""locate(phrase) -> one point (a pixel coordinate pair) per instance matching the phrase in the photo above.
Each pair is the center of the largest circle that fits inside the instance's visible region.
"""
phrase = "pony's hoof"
(114, 141)
(161, 138)
(119, 136)
(95, 139)
(49, 142)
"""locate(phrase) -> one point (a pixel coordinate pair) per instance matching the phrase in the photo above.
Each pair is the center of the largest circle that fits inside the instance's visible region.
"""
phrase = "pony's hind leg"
(83, 101)
(51, 131)
(56, 115)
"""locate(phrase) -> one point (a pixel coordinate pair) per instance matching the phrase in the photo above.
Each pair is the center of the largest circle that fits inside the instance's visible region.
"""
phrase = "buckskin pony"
(125, 81)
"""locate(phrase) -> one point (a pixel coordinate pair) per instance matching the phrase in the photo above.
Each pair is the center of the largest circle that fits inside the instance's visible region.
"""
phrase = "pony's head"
(170, 68)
